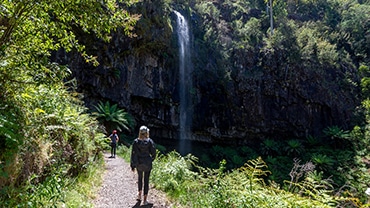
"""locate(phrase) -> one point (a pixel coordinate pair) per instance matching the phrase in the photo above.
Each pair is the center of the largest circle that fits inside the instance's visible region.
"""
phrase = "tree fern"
(113, 117)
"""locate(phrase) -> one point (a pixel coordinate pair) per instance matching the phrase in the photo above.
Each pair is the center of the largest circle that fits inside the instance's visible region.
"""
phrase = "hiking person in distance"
(142, 155)
(114, 140)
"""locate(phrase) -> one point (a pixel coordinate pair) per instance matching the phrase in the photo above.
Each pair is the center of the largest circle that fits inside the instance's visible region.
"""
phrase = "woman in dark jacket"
(142, 155)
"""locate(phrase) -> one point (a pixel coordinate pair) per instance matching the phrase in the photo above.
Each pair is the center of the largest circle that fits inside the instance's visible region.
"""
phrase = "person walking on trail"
(142, 155)
(114, 140)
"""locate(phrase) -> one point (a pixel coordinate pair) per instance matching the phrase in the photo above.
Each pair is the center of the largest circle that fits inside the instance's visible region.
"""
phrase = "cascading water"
(185, 68)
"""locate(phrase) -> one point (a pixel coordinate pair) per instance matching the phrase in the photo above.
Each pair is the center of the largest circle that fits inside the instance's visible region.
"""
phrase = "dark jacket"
(113, 138)
(142, 155)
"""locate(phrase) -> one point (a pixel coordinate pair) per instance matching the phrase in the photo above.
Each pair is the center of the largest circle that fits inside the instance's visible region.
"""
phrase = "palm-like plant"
(294, 147)
(323, 162)
(336, 132)
(269, 147)
(113, 117)
(312, 141)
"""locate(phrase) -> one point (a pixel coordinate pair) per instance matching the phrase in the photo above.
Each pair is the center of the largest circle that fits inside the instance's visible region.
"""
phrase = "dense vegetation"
(192, 185)
(324, 42)
(46, 133)
(312, 37)
(47, 136)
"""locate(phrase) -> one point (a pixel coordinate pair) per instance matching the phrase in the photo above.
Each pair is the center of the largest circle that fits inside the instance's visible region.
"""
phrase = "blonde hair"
(143, 135)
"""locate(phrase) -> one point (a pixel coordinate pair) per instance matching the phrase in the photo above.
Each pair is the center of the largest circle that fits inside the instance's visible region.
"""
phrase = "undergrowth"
(193, 186)
(58, 190)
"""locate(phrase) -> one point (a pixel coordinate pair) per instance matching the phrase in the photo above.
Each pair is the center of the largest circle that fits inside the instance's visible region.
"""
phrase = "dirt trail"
(119, 188)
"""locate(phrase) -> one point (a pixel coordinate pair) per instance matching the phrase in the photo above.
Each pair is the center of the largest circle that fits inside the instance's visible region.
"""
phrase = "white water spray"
(185, 68)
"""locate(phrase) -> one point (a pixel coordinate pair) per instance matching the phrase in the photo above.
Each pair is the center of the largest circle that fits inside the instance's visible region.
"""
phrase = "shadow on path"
(138, 205)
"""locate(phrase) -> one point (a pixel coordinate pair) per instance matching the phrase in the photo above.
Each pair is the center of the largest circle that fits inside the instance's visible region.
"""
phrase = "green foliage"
(57, 128)
(50, 24)
(46, 135)
(160, 148)
(84, 187)
(312, 141)
(124, 152)
(294, 147)
(365, 87)
(172, 171)
(356, 173)
(365, 81)
(154, 15)
(354, 27)
(269, 147)
(113, 117)
(9, 130)
(314, 45)
(254, 169)
(283, 43)
(278, 172)
(323, 162)
(316, 187)
(360, 139)
(46, 194)
(42, 126)
(364, 70)
(57, 190)
(235, 156)
(298, 172)
(49, 192)
(242, 187)
(335, 132)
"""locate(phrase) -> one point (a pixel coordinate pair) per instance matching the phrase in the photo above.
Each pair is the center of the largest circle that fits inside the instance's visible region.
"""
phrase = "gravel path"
(119, 188)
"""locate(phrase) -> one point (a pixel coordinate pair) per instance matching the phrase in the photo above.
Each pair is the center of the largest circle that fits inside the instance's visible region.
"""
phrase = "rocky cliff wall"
(261, 97)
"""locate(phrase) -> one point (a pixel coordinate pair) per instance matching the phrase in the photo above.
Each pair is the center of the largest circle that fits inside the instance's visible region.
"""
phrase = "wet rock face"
(269, 101)
(241, 110)
(274, 105)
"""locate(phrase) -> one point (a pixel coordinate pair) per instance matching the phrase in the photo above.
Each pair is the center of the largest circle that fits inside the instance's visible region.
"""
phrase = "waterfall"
(185, 79)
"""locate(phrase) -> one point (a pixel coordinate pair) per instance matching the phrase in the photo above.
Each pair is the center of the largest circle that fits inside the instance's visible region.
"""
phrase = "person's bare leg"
(145, 201)
(139, 196)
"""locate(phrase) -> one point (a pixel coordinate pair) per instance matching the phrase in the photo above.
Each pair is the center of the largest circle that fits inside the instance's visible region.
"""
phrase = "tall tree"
(31, 29)
(39, 119)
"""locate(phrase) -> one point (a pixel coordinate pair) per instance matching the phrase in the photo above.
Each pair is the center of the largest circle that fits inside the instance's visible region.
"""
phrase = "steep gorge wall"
(259, 97)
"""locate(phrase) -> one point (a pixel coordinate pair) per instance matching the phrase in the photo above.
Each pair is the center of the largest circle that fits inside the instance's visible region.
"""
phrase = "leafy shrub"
(294, 147)
(323, 162)
(312, 141)
(335, 132)
(269, 147)
(241, 187)
(171, 171)
(56, 132)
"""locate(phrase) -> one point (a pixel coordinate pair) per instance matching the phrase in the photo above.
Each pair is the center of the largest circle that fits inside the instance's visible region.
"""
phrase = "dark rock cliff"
(260, 95)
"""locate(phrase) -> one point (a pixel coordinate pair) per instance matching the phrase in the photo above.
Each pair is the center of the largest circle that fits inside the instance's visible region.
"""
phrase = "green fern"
(113, 117)
(172, 170)
(254, 170)
(8, 132)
